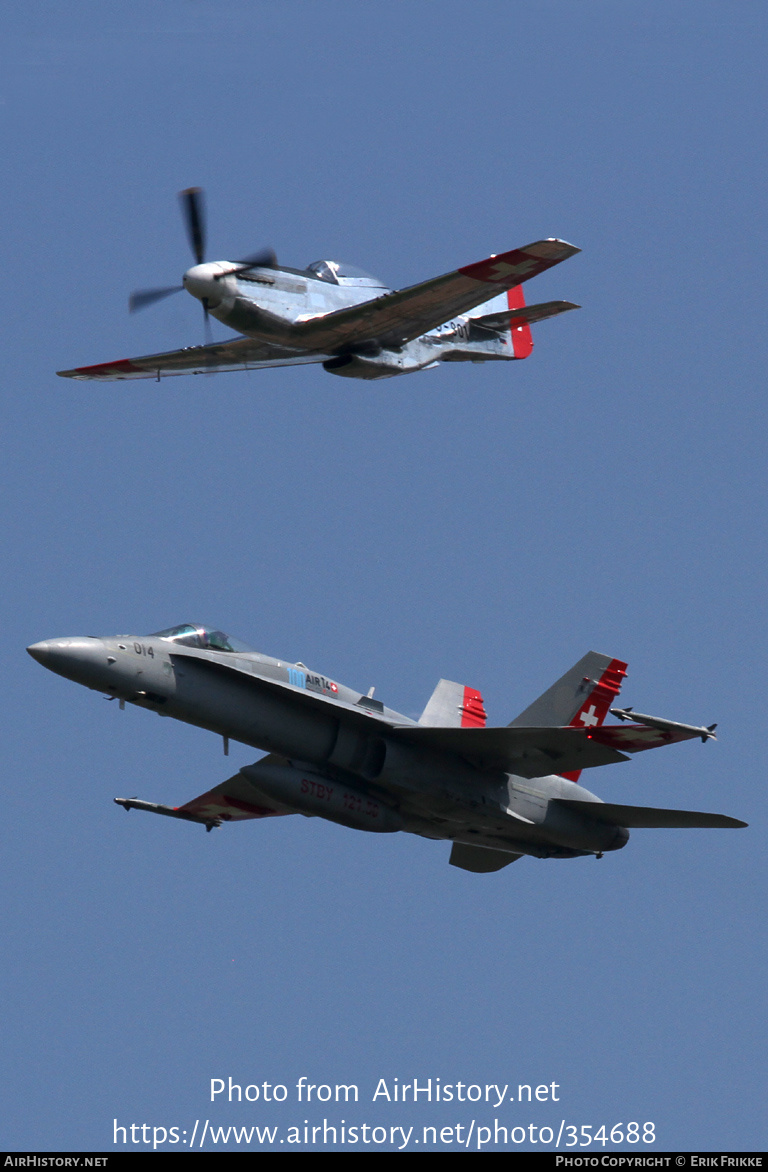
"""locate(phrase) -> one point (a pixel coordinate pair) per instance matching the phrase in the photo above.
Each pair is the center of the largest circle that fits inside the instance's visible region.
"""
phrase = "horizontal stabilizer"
(480, 859)
(526, 316)
(649, 817)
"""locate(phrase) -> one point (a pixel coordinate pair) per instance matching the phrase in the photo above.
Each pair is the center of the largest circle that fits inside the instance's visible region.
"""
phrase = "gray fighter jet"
(495, 793)
(346, 319)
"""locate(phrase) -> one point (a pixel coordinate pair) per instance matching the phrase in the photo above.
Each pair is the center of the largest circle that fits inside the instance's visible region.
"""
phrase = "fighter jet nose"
(77, 658)
(40, 651)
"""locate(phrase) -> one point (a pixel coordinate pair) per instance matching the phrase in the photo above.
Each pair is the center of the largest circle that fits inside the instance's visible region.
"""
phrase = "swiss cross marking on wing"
(589, 717)
(502, 270)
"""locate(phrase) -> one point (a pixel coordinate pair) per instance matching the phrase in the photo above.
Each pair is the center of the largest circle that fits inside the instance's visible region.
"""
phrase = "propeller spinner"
(193, 211)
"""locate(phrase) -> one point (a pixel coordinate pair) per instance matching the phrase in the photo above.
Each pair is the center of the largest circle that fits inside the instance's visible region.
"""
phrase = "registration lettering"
(318, 789)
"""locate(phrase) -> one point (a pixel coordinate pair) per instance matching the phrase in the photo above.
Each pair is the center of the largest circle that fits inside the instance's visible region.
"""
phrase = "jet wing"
(237, 354)
(537, 752)
(635, 738)
(232, 801)
(399, 317)
(528, 752)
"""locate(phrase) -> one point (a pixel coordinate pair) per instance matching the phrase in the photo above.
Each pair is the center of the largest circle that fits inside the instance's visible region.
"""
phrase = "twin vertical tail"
(580, 699)
(453, 706)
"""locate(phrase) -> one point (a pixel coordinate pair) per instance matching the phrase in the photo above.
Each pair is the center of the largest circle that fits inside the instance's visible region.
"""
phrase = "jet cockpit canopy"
(206, 638)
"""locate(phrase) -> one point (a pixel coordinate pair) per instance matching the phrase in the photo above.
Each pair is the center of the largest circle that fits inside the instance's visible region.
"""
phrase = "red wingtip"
(123, 368)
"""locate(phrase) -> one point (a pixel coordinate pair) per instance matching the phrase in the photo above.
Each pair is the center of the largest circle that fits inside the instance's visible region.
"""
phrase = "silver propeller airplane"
(349, 321)
(495, 793)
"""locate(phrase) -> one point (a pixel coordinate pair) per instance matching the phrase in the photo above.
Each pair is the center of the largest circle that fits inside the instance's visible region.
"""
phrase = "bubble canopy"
(207, 638)
(338, 272)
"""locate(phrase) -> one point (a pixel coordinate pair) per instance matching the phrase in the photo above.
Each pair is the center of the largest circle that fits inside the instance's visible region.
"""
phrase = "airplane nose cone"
(201, 283)
(39, 651)
(80, 659)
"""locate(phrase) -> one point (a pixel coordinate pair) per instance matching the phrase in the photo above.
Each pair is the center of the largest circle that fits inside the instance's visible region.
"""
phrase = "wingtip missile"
(129, 804)
(706, 732)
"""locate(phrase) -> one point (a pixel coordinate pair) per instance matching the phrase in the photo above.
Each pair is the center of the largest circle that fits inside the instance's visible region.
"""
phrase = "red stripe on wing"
(123, 366)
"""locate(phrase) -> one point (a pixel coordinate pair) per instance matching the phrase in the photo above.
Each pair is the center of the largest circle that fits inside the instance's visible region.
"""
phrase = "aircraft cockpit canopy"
(336, 272)
(206, 638)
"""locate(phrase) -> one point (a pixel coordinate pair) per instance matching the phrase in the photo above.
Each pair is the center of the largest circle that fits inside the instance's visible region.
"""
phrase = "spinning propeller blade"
(193, 207)
(265, 259)
(144, 297)
(193, 211)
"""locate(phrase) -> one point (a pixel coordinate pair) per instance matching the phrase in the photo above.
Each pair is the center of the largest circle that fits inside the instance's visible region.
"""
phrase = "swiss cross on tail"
(579, 699)
(599, 695)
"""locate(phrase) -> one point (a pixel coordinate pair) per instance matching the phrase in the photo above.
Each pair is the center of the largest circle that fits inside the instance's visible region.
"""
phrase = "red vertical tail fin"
(522, 342)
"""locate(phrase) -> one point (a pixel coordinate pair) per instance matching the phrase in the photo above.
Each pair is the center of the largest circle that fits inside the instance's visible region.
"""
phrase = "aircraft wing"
(399, 317)
(528, 752)
(537, 752)
(233, 801)
(237, 354)
(635, 738)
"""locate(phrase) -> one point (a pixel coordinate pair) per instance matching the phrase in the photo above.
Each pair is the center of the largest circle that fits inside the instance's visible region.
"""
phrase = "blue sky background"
(487, 524)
